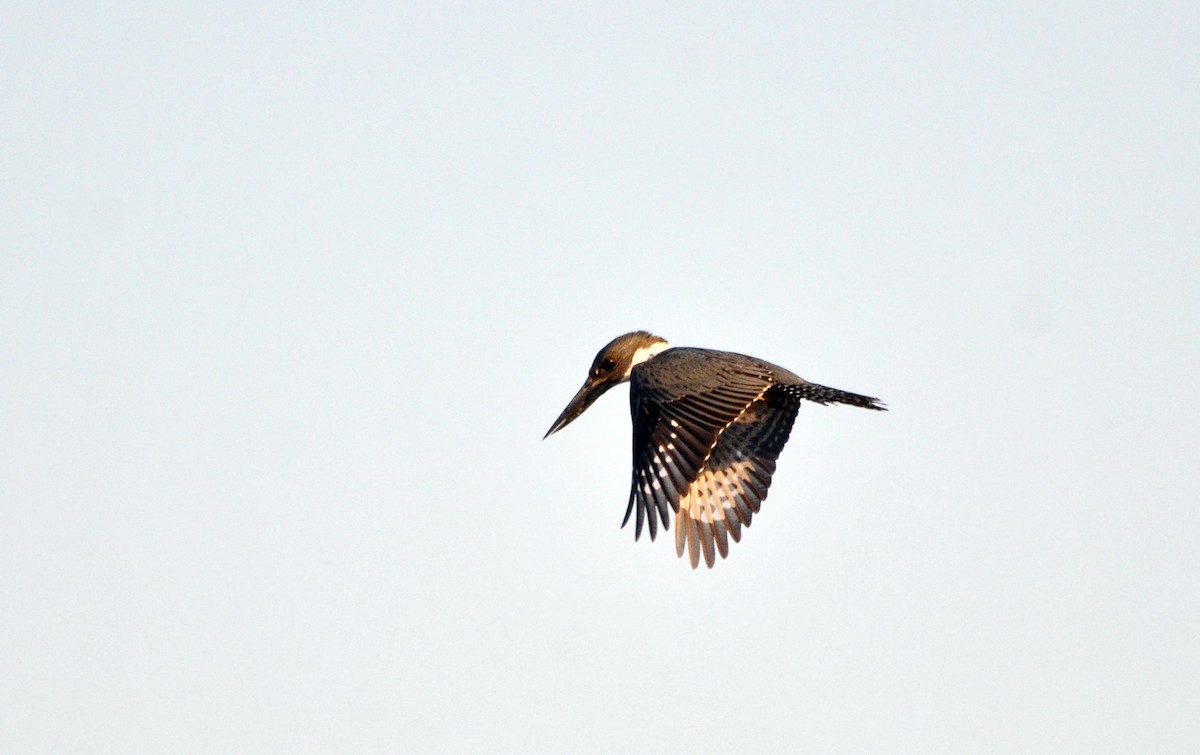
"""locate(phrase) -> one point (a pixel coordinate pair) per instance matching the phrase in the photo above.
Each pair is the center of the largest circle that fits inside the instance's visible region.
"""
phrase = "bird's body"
(708, 427)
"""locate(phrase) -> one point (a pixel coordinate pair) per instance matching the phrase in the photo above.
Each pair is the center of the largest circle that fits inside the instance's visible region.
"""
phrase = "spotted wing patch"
(732, 484)
(673, 438)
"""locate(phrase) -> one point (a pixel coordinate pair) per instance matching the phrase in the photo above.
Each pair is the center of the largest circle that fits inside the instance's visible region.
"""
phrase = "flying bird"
(707, 428)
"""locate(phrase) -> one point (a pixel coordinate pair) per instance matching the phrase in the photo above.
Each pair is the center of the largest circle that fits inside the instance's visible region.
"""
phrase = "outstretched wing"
(672, 441)
(707, 428)
(730, 488)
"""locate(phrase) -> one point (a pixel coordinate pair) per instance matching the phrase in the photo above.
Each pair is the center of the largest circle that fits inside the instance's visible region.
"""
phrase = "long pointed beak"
(587, 395)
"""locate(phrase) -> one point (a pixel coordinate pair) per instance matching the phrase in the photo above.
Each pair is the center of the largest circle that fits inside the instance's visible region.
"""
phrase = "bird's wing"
(704, 448)
(733, 483)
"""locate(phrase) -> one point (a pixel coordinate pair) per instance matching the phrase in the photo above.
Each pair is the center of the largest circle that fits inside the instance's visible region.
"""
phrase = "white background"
(289, 298)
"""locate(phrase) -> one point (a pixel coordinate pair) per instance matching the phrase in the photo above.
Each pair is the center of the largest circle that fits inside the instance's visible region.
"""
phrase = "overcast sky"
(289, 298)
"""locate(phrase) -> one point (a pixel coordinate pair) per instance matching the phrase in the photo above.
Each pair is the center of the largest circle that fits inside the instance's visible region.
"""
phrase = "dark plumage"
(708, 427)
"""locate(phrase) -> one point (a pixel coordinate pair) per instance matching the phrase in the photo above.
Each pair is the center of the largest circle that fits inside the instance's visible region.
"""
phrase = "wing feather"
(734, 481)
(705, 450)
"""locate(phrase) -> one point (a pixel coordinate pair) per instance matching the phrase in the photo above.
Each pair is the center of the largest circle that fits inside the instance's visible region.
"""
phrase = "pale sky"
(288, 299)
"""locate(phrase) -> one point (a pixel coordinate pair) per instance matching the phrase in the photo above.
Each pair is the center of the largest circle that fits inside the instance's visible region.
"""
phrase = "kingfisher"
(708, 427)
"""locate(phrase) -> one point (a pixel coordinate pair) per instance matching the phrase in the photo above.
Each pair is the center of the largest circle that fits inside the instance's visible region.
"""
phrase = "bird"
(708, 427)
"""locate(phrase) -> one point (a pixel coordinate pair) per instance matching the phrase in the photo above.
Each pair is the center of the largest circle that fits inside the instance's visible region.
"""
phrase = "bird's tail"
(823, 394)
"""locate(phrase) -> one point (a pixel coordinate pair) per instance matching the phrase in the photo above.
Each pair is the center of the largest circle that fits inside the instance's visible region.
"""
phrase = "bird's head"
(612, 366)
